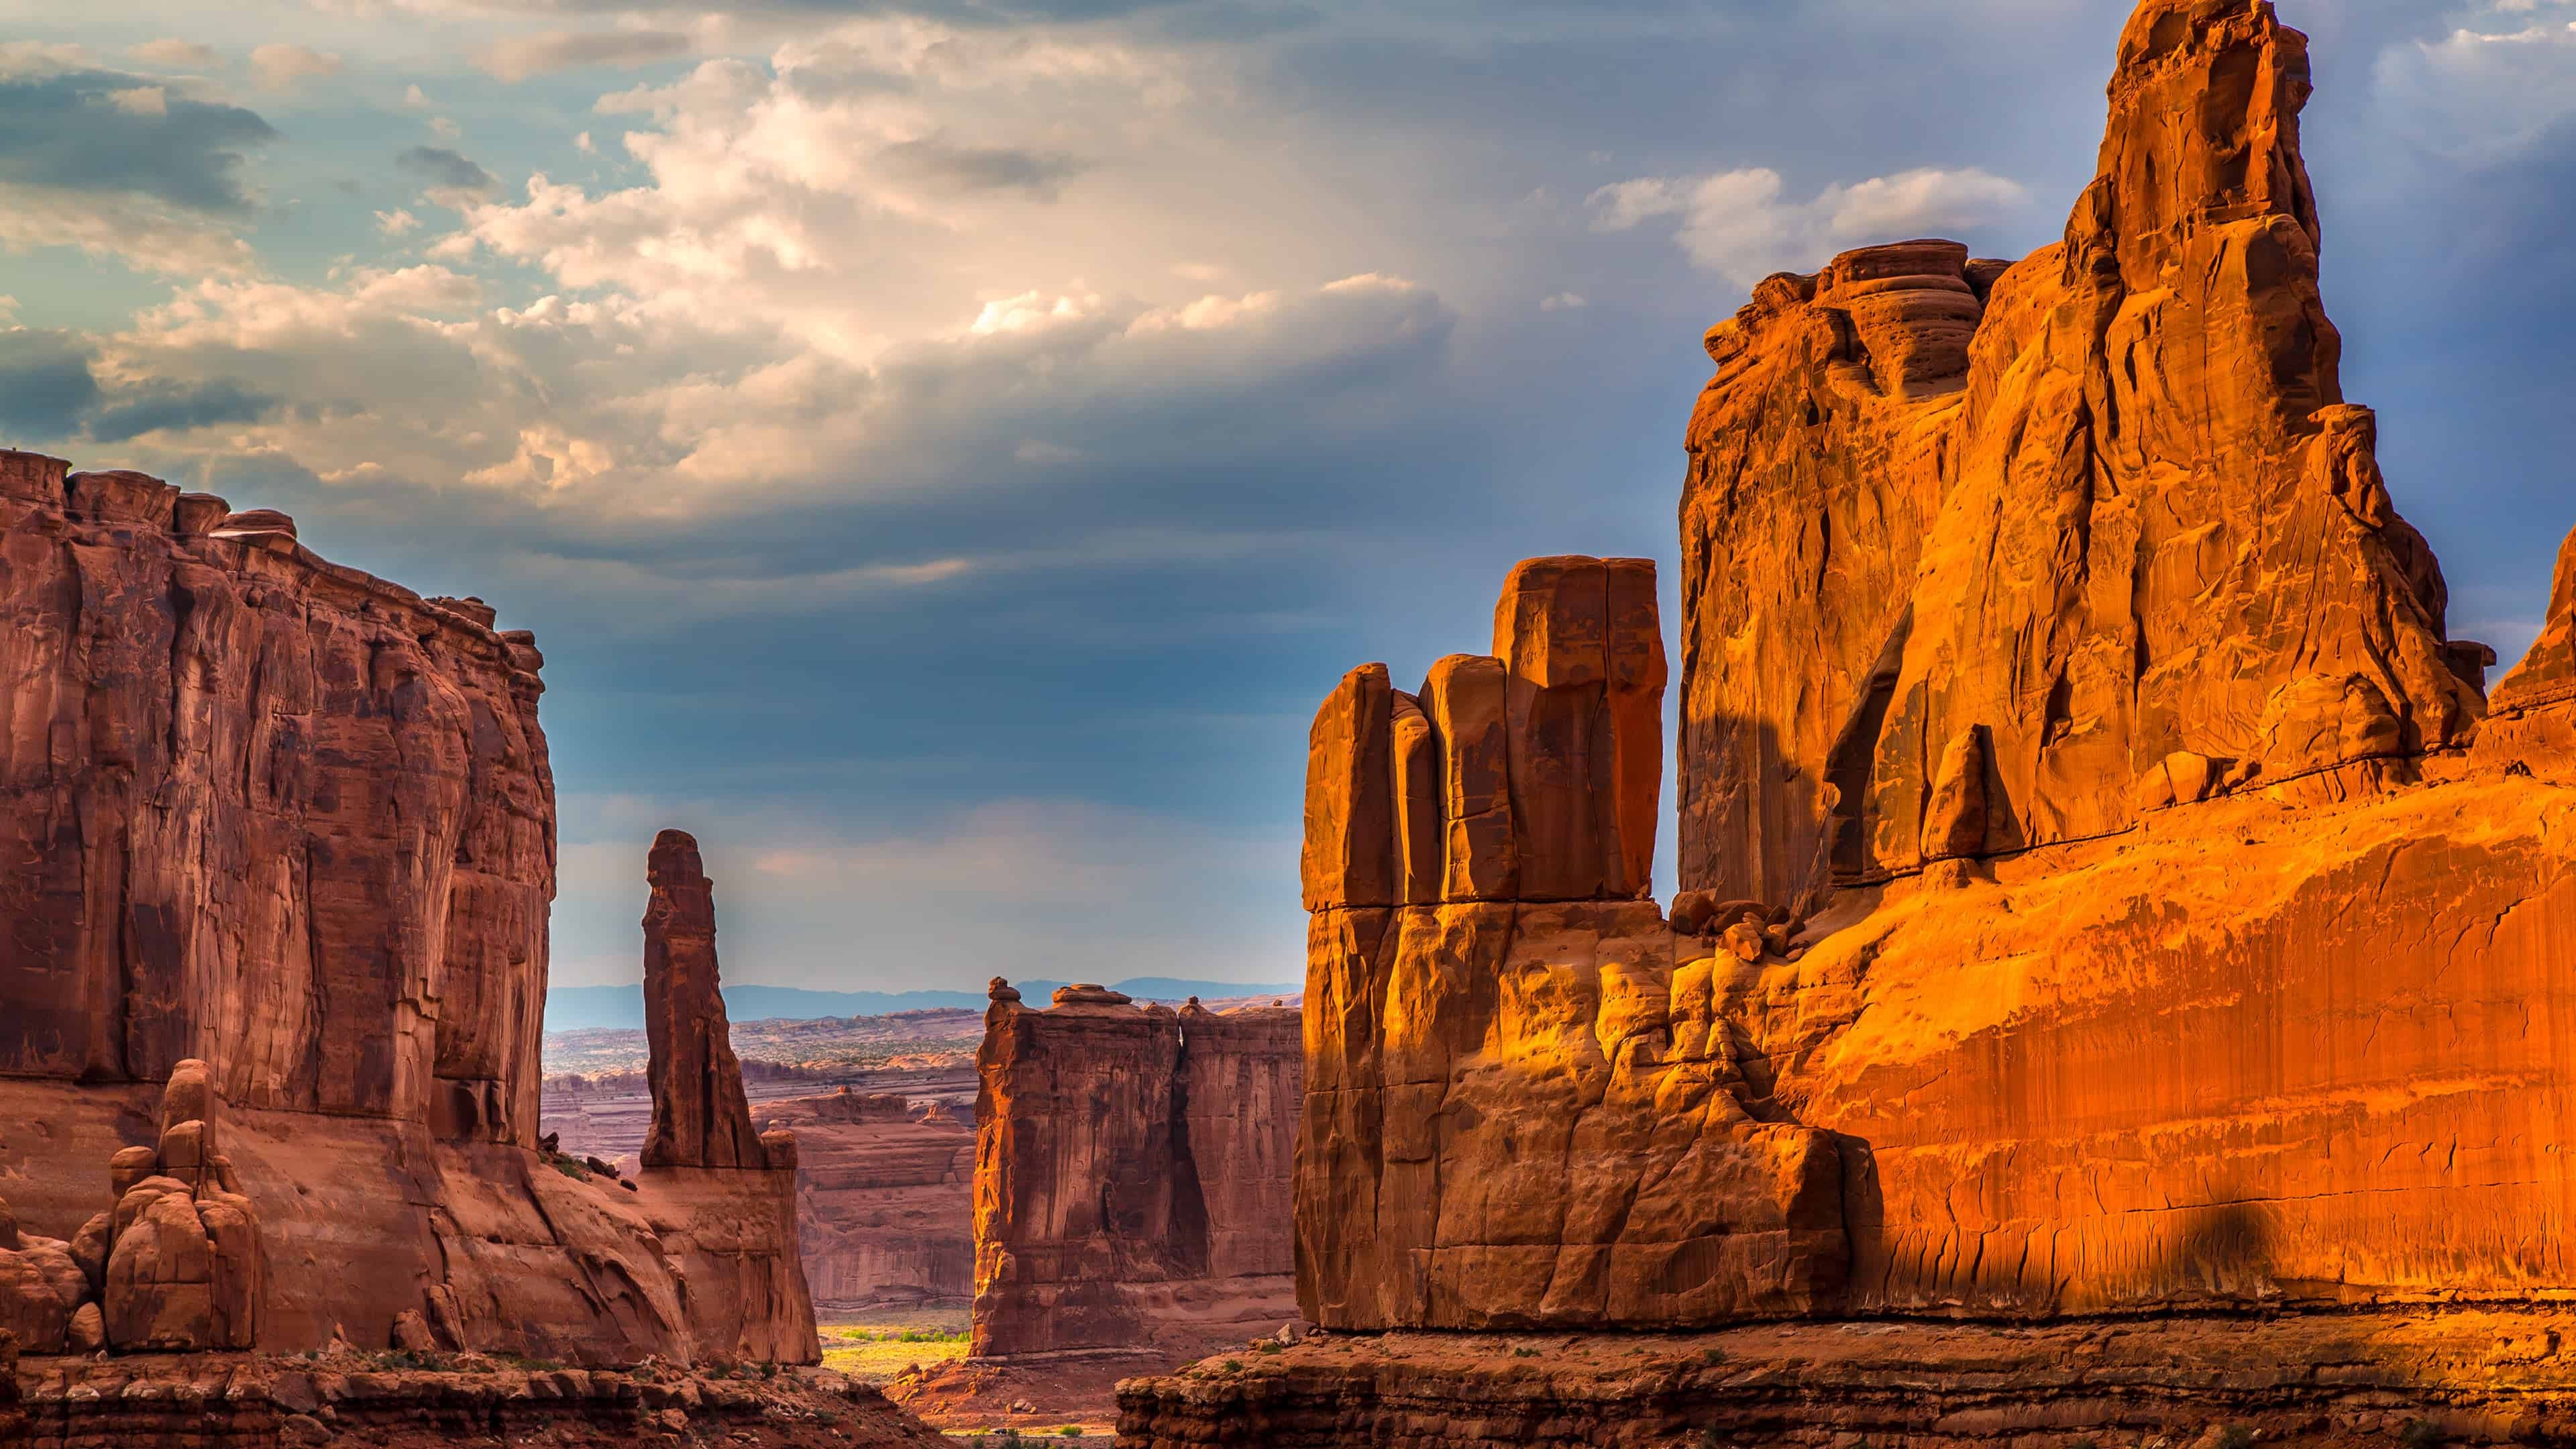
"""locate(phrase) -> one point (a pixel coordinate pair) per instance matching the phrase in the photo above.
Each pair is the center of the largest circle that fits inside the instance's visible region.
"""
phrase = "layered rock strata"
(2106, 888)
(1132, 1175)
(282, 844)
(264, 812)
(885, 1200)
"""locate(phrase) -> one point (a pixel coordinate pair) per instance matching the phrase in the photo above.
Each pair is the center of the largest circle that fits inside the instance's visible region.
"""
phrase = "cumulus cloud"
(111, 164)
(1739, 225)
(283, 65)
(517, 57)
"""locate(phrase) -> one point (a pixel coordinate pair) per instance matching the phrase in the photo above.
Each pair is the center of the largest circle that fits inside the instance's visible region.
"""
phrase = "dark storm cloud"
(45, 386)
(157, 406)
(99, 131)
(50, 395)
(982, 168)
(438, 166)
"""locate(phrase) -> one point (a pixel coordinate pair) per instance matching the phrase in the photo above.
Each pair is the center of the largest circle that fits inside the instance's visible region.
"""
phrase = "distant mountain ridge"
(587, 1008)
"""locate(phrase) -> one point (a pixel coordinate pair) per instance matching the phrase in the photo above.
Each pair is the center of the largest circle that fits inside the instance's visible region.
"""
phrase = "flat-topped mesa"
(700, 1116)
(1523, 1110)
(1132, 1175)
(2127, 518)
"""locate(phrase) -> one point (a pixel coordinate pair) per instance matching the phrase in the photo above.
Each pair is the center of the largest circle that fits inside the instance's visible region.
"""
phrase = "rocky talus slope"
(2111, 902)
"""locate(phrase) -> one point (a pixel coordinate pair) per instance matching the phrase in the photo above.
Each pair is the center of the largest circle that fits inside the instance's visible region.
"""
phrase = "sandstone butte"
(2108, 893)
(279, 843)
(1133, 1169)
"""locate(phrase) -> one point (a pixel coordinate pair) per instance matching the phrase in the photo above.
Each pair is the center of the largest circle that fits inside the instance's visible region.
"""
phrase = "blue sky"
(946, 448)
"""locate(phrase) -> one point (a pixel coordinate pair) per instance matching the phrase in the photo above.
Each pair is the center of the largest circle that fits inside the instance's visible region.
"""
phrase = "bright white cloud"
(1739, 225)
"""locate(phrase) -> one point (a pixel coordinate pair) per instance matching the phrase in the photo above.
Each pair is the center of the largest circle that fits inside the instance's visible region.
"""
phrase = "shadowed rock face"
(281, 846)
(700, 1117)
(1132, 1179)
(2105, 886)
(2106, 505)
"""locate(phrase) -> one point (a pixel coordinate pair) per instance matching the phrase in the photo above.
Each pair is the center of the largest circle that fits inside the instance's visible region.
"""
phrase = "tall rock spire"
(700, 1117)
(2100, 510)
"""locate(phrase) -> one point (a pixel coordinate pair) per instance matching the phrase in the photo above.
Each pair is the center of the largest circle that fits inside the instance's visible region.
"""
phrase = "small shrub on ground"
(2420, 1434)
(2235, 1436)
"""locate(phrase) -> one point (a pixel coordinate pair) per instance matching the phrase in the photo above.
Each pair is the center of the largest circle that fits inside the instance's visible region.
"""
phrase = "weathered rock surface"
(1132, 1174)
(885, 1199)
(2104, 890)
(266, 812)
(2104, 506)
(2375, 1378)
(244, 1401)
(700, 1116)
(296, 823)
(1525, 1112)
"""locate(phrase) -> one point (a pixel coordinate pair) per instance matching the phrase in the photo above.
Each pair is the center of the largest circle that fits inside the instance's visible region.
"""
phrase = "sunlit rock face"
(1132, 1178)
(2091, 510)
(1521, 1110)
(290, 827)
(2103, 886)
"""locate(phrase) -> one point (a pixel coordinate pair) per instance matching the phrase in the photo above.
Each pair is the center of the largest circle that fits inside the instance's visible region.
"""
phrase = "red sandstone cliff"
(294, 822)
(263, 811)
(1131, 1182)
(2104, 887)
